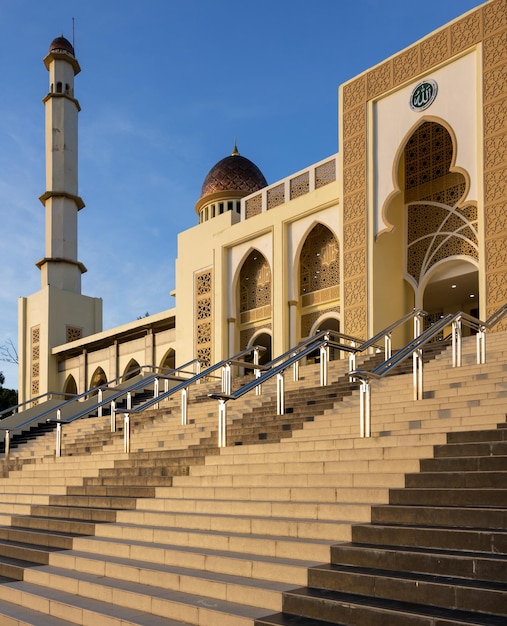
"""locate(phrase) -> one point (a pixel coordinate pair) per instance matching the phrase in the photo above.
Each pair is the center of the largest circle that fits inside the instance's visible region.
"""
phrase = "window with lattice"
(203, 316)
(254, 283)
(319, 261)
(437, 226)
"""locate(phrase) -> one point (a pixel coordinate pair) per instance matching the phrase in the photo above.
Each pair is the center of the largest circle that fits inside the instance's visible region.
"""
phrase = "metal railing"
(226, 378)
(127, 392)
(414, 349)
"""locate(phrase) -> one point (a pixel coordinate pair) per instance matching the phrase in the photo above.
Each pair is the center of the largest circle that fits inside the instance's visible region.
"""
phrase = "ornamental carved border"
(487, 24)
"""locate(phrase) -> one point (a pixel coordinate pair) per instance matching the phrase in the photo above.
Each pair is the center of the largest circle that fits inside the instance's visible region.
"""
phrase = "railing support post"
(58, 450)
(388, 346)
(417, 361)
(7, 443)
(222, 424)
(184, 406)
(280, 394)
(456, 343)
(324, 358)
(258, 389)
(481, 346)
(352, 365)
(156, 384)
(113, 416)
(295, 370)
(100, 396)
(126, 433)
(226, 379)
(365, 409)
(129, 401)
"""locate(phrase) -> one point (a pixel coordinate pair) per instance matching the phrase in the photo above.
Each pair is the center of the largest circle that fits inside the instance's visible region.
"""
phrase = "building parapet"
(294, 186)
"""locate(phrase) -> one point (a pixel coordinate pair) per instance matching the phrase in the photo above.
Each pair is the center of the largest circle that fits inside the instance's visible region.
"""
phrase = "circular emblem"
(423, 95)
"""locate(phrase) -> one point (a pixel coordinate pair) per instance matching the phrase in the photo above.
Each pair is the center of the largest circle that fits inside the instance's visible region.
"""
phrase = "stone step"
(456, 563)
(494, 448)
(470, 464)
(50, 539)
(151, 578)
(490, 497)
(347, 479)
(14, 615)
(25, 552)
(258, 509)
(354, 609)
(53, 525)
(287, 494)
(461, 480)
(433, 591)
(95, 553)
(94, 502)
(86, 514)
(53, 607)
(264, 545)
(474, 540)
(283, 526)
(473, 517)
(114, 491)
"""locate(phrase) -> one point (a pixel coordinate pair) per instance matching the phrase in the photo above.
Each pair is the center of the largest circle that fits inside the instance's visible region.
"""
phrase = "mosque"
(411, 212)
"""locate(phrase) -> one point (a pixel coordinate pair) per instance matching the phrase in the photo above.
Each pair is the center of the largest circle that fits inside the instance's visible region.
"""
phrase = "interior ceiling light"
(453, 286)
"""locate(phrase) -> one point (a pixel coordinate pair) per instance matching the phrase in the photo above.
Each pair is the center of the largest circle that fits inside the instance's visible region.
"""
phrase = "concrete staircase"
(298, 521)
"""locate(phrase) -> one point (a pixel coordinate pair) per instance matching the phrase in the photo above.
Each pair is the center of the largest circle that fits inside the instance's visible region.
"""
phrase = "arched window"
(70, 387)
(254, 283)
(169, 361)
(133, 369)
(99, 378)
(319, 261)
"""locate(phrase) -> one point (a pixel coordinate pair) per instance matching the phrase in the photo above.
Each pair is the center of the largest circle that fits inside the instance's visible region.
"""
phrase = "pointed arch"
(398, 181)
(98, 378)
(168, 362)
(133, 369)
(70, 386)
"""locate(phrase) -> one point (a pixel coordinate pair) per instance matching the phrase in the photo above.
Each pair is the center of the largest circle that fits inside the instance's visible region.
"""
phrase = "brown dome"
(60, 44)
(234, 173)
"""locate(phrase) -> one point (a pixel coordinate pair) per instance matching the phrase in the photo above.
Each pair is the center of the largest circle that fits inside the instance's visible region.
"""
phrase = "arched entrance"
(263, 339)
(442, 245)
(254, 298)
(452, 286)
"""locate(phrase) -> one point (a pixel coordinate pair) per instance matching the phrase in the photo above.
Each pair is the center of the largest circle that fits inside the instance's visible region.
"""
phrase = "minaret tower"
(60, 267)
(58, 314)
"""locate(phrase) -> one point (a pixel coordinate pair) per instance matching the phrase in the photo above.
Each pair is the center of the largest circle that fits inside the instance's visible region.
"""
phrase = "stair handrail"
(414, 348)
(416, 314)
(48, 394)
(496, 316)
(114, 396)
(322, 341)
(225, 364)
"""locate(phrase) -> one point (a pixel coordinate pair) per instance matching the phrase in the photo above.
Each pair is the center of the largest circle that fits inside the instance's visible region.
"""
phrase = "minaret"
(60, 267)
(58, 313)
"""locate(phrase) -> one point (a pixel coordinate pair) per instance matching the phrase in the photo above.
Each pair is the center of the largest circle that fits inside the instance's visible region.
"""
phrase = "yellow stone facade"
(411, 212)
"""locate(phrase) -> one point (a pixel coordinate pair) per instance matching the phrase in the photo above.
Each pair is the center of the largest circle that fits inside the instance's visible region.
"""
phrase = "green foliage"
(8, 398)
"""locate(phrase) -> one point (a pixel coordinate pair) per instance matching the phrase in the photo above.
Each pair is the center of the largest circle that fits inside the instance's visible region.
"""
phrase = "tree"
(8, 353)
(8, 397)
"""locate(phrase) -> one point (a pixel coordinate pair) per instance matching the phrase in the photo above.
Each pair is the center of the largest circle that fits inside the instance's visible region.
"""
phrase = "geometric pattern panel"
(203, 316)
(319, 261)
(438, 232)
(254, 283)
(437, 227)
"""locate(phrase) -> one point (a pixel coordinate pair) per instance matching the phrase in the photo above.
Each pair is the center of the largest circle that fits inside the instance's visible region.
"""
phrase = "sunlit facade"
(411, 212)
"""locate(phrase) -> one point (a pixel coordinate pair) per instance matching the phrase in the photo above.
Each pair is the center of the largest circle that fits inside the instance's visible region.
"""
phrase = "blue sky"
(165, 88)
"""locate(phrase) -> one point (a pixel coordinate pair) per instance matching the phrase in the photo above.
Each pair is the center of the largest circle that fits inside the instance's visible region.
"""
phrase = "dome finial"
(235, 151)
